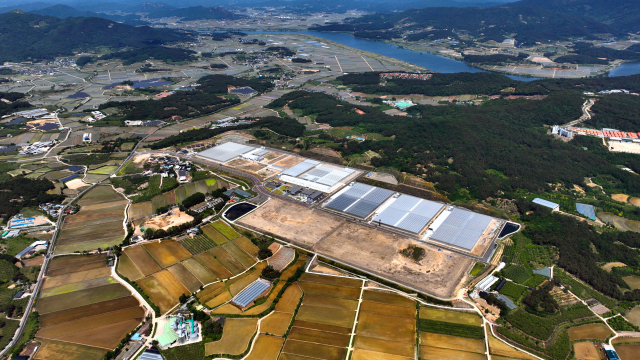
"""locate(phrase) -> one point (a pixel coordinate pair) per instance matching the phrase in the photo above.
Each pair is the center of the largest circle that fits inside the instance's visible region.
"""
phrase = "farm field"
(98, 224)
(157, 293)
(628, 352)
(185, 277)
(141, 210)
(198, 244)
(266, 348)
(169, 282)
(227, 260)
(199, 271)
(243, 258)
(591, 331)
(127, 269)
(633, 316)
(247, 246)
(277, 323)
(83, 311)
(213, 265)
(428, 352)
(142, 260)
(452, 342)
(213, 234)
(498, 348)
(167, 252)
(334, 290)
(225, 229)
(457, 317)
(235, 338)
(632, 281)
(586, 350)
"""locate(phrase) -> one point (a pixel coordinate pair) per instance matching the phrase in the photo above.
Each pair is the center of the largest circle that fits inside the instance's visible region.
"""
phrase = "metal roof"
(360, 200)
(301, 168)
(545, 203)
(507, 301)
(69, 178)
(586, 210)
(251, 292)
(409, 213)
(462, 228)
(226, 152)
(148, 355)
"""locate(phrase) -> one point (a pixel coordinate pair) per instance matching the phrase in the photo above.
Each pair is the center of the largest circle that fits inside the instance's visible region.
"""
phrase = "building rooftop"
(545, 203)
(586, 210)
(251, 292)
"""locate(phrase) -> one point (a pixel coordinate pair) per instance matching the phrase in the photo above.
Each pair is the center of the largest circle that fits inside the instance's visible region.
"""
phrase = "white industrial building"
(317, 176)
(32, 114)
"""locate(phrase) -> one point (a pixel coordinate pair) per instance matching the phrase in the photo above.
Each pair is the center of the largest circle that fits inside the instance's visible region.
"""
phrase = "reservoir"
(238, 210)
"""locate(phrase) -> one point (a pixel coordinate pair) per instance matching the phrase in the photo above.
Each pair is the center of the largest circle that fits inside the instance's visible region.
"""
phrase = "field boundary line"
(148, 309)
(355, 322)
(75, 343)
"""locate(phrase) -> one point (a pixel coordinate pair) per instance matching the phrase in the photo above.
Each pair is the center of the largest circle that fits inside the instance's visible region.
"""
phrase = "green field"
(105, 170)
(477, 268)
(447, 328)
(225, 230)
(514, 291)
(517, 273)
(198, 244)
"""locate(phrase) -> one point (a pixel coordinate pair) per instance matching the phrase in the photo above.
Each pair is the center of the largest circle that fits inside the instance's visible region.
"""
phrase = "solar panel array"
(360, 200)
(409, 213)
(300, 168)
(462, 228)
(251, 292)
(225, 152)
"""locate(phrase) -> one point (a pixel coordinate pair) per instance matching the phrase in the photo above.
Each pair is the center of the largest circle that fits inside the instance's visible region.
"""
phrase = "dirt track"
(439, 274)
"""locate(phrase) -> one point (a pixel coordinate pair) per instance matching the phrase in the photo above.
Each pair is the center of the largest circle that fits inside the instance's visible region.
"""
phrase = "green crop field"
(514, 291)
(198, 244)
(225, 230)
(477, 268)
(447, 328)
(517, 273)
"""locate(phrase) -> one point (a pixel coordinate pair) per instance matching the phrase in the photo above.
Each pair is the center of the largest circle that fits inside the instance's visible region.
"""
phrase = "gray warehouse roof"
(301, 167)
(251, 292)
(462, 228)
(409, 213)
(226, 152)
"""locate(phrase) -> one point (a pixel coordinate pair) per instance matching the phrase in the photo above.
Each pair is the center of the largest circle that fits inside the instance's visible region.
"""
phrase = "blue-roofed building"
(247, 296)
(75, 168)
(546, 272)
(69, 178)
(507, 301)
(586, 210)
(547, 203)
(610, 353)
(242, 91)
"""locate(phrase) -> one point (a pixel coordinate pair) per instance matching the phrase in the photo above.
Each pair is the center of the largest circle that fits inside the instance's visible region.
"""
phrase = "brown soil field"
(634, 201)
(173, 286)
(440, 274)
(384, 346)
(265, 348)
(247, 246)
(127, 269)
(73, 261)
(209, 290)
(101, 241)
(360, 354)
(164, 222)
(235, 338)
(327, 316)
(81, 298)
(325, 301)
(626, 339)
(140, 210)
(457, 317)
(289, 161)
(608, 266)
(633, 316)
(452, 342)
(185, 277)
(56, 350)
(384, 309)
(276, 323)
(107, 337)
(586, 350)
(428, 352)
(57, 331)
(213, 265)
(157, 293)
(55, 281)
(387, 327)
(388, 298)
(620, 197)
(199, 271)
(87, 310)
(78, 286)
(620, 223)
(258, 309)
(219, 300)
(167, 253)
(591, 331)
(497, 347)
(314, 350)
(628, 352)
(142, 260)
(243, 258)
(322, 327)
(320, 337)
(331, 280)
(632, 281)
(213, 235)
(330, 290)
(212, 295)
(226, 309)
(227, 260)
(290, 299)
(35, 261)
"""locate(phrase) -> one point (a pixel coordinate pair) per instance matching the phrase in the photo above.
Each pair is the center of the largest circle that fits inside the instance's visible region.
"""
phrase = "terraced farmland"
(84, 312)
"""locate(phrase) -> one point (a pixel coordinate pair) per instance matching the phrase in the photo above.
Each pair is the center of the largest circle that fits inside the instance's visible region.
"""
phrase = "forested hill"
(25, 36)
(622, 14)
(530, 24)
(196, 13)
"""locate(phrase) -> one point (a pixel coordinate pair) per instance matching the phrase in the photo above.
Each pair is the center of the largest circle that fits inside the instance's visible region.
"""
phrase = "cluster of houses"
(208, 203)
(37, 147)
(168, 164)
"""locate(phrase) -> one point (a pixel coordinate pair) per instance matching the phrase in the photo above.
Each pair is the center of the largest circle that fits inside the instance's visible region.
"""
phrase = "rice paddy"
(591, 331)
(225, 230)
(266, 348)
(198, 244)
(235, 338)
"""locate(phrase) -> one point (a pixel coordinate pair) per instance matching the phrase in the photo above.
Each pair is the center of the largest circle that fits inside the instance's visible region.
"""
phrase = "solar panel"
(427, 208)
(358, 190)
(405, 202)
(251, 292)
(414, 223)
(378, 195)
(342, 202)
(362, 208)
(462, 228)
(390, 216)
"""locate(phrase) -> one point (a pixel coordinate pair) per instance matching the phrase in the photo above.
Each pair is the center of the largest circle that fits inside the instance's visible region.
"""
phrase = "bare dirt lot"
(289, 161)
(164, 222)
(439, 273)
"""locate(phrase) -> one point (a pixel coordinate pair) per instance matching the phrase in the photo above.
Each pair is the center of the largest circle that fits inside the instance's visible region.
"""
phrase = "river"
(436, 63)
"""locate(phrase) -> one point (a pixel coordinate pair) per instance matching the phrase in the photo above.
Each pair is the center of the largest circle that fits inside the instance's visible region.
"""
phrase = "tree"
(264, 253)
(270, 273)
